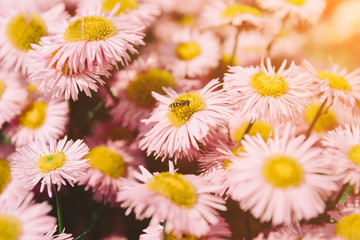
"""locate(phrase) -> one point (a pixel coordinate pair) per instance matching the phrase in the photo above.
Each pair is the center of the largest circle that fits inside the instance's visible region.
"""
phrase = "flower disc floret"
(89, 28)
(153, 80)
(5, 175)
(297, 2)
(282, 171)
(326, 121)
(354, 154)
(25, 29)
(179, 113)
(10, 227)
(51, 162)
(2, 88)
(348, 227)
(273, 86)
(335, 80)
(234, 9)
(107, 161)
(188, 50)
(175, 187)
(34, 115)
(258, 127)
(125, 5)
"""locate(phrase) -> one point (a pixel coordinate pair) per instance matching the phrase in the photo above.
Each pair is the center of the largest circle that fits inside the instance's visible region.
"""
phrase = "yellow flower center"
(335, 81)
(153, 80)
(184, 19)
(51, 162)
(282, 171)
(107, 161)
(31, 90)
(235, 151)
(10, 227)
(273, 86)
(5, 175)
(184, 106)
(297, 2)
(354, 154)
(188, 50)
(226, 59)
(2, 88)
(234, 9)
(170, 236)
(25, 29)
(175, 187)
(325, 122)
(125, 5)
(34, 115)
(89, 28)
(348, 227)
(258, 127)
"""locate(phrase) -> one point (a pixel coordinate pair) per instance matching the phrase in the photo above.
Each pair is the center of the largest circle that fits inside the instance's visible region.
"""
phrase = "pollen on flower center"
(235, 151)
(25, 29)
(34, 115)
(175, 187)
(153, 80)
(184, 106)
(2, 88)
(325, 122)
(234, 9)
(335, 81)
(188, 50)
(107, 161)
(348, 227)
(5, 175)
(354, 154)
(297, 2)
(10, 227)
(89, 28)
(258, 127)
(125, 5)
(51, 162)
(273, 86)
(170, 236)
(282, 171)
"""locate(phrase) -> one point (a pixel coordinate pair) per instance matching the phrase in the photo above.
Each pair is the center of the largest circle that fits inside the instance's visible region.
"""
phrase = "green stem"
(108, 90)
(92, 224)
(317, 116)
(232, 59)
(342, 195)
(164, 235)
(59, 210)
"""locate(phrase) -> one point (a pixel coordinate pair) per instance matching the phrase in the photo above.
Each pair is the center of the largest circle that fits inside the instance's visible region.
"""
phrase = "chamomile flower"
(181, 121)
(109, 164)
(22, 218)
(12, 95)
(295, 10)
(283, 180)
(262, 93)
(185, 202)
(190, 53)
(50, 163)
(343, 150)
(40, 119)
(93, 39)
(20, 28)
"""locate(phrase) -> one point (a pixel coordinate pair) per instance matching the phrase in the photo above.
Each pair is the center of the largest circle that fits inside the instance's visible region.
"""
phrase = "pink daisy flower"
(41, 119)
(283, 180)
(109, 165)
(22, 27)
(295, 10)
(347, 219)
(12, 94)
(342, 149)
(180, 122)
(337, 86)
(185, 202)
(226, 12)
(190, 53)
(62, 82)
(218, 231)
(287, 232)
(140, 12)
(23, 219)
(50, 163)
(262, 93)
(93, 39)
